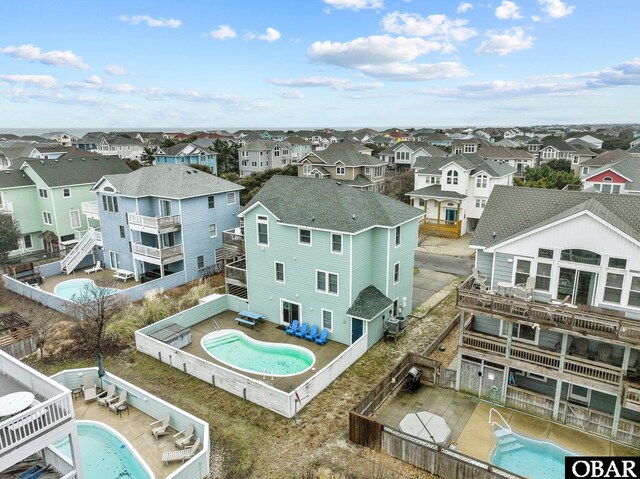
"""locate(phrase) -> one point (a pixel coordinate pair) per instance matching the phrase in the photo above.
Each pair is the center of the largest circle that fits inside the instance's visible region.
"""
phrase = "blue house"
(186, 154)
(164, 219)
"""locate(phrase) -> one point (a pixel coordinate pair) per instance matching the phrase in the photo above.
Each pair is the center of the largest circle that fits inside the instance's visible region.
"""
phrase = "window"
(254, 164)
(327, 319)
(110, 203)
(43, 193)
(263, 230)
(326, 282)
(213, 230)
(452, 177)
(200, 261)
(543, 276)
(28, 244)
(421, 202)
(276, 151)
(336, 243)
(231, 198)
(121, 231)
(618, 263)
(481, 203)
(279, 270)
(339, 170)
(396, 273)
(211, 201)
(580, 256)
(402, 155)
(469, 148)
(66, 192)
(481, 181)
(244, 153)
(613, 288)
(545, 253)
(585, 170)
(397, 236)
(457, 150)
(304, 237)
(377, 172)
(285, 152)
(74, 217)
(367, 170)
(306, 169)
(520, 332)
(46, 218)
(523, 268)
(634, 292)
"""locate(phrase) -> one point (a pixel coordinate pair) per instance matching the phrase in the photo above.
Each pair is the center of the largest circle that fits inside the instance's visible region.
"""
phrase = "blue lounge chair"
(322, 339)
(28, 472)
(302, 332)
(38, 473)
(292, 328)
(313, 334)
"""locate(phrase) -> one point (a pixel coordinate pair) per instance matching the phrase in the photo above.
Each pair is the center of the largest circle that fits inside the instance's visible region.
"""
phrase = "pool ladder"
(494, 423)
(265, 372)
(215, 326)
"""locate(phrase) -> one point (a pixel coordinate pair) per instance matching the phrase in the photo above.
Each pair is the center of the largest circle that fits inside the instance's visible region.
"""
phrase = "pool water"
(528, 457)
(239, 351)
(105, 454)
(77, 289)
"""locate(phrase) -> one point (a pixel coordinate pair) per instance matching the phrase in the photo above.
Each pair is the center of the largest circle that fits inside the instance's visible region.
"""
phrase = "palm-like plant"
(147, 155)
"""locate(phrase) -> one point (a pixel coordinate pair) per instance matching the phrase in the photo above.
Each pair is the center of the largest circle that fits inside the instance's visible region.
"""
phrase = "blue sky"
(340, 63)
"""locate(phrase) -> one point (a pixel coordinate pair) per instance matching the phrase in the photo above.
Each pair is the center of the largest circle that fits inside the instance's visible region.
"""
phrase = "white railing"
(154, 222)
(59, 462)
(79, 251)
(6, 207)
(506, 426)
(157, 253)
(89, 208)
(98, 235)
(34, 381)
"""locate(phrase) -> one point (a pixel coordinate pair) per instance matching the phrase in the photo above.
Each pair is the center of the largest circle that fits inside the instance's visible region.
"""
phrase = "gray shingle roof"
(634, 149)
(607, 158)
(360, 181)
(629, 168)
(296, 140)
(75, 171)
(468, 161)
(424, 145)
(330, 204)
(259, 145)
(512, 211)
(369, 303)
(557, 143)
(436, 192)
(14, 178)
(348, 157)
(169, 181)
(500, 152)
(348, 146)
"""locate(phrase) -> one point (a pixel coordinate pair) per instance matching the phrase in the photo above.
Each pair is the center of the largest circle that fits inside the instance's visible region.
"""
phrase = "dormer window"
(452, 177)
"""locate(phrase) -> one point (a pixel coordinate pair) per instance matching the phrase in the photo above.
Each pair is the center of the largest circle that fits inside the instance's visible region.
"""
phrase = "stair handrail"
(215, 326)
(76, 252)
(494, 423)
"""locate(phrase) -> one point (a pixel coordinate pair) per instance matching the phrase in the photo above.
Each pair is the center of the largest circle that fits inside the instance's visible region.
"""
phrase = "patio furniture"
(581, 347)
(300, 333)
(181, 455)
(37, 473)
(522, 293)
(122, 408)
(528, 285)
(75, 392)
(632, 367)
(312, 334)
(477, 275)
(479, 281)
(247, 322)
(14, 403)
(160, 428)
(107, 397)
(28, 472)
(119, 402)
(95, 269)
(570, 347)
(322, 339)
(505, 288)
(481, 285)
(292, 328)
(604, 353)
(252, 316)
(123, 274)
(185, 436)
(89, 388)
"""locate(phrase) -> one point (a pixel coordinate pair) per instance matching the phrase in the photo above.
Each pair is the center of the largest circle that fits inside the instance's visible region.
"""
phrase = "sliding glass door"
(579, 285)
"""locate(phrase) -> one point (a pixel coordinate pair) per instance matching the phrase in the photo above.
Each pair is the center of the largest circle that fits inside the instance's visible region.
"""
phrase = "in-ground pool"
(529, 457)
(105, 454)
(77, 289)
(236, 349)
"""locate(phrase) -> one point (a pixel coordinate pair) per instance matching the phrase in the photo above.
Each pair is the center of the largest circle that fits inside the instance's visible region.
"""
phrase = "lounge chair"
(89, 388)
(581, 347)
(181, 455)
(119, 402)
(292, 328)
(302, 332)
(604, 353)
(634, 363)
(95, 269)
(28, 472)
(186, 436)
(528, 286)
(160, 427)
(570, 347)
(37, 473)
(476, 275)
(312, 334)
(322, 339)
(107, 397)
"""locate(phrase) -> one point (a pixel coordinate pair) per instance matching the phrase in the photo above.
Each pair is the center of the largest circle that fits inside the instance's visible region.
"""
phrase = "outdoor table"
(252, 315)
(75, 393)
(505, 287)
(15, 402)
(120, 409)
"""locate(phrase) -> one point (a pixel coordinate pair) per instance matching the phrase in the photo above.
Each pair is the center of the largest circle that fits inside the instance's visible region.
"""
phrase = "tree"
(133, 164)
(398, 183)
(9, 235)
(227, 156)
(205, 168)
(376, 149)
(42, 326)
(546, 177)
(147, 155)
(253, 182)
(167, 143)
(559, 165)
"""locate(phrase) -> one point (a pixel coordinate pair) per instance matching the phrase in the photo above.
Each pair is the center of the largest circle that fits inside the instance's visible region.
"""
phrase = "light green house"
(329, 255)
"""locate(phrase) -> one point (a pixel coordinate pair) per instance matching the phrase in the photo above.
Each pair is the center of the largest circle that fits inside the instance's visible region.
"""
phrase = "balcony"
(159, 256)
(236, 273)
(233, 240)
(154, 224)
(90, 209)
(6, 208)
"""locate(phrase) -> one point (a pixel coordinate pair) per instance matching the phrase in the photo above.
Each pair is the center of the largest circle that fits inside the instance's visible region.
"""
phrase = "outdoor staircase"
(79, 251)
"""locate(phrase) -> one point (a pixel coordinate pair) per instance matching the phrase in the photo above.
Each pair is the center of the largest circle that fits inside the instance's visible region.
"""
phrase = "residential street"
(435, 272)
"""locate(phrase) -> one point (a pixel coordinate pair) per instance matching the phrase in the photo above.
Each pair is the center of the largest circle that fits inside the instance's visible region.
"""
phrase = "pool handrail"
(215, 326)
(494, 423)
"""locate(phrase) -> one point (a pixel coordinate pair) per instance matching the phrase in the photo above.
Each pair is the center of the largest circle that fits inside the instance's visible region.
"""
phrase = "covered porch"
(443, 211)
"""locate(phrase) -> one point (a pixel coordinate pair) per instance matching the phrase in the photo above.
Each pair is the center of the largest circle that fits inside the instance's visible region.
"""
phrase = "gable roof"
(421, 145)
(348, 146)
(329, 204)
(607, 158)
(296, 140)
(168, 181)
(75, 171)
(435, 191)
(629, 168)
(181, 149)
(14, 179)
(475, 163)
(634, 149)
(369, 303)
(347, 157)
(501, 152)
(557, 143)
(531, 208)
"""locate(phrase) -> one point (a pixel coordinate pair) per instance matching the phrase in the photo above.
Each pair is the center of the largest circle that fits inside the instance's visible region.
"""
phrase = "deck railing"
(89, 208)
(236, 271)
(154, 222)
(234, 237)
(631, 398)
(157, 253)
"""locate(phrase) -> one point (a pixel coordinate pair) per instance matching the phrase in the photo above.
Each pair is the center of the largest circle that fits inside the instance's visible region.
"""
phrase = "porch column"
(438, 204)
(75, 453)
(135, 270)
(556, 399)
(563, 351)
(617, 410)
(507, 354)
(459, 355)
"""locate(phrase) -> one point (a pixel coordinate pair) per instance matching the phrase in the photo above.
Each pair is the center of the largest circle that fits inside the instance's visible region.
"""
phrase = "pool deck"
(105, 277)
(135, 427)
(265, 331)
(471, 433)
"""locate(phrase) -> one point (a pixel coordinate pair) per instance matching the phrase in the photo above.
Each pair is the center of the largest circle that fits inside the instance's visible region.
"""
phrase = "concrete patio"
(103, 278)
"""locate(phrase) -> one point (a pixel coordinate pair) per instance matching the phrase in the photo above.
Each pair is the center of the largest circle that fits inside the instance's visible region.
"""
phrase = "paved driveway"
(435, 272)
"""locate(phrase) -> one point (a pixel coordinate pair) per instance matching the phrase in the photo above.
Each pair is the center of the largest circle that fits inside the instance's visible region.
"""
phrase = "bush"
(190, 299)
(123, 326)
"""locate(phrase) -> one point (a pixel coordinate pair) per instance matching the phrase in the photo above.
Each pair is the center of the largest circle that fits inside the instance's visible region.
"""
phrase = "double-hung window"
(397, 236)
(613, 288)
(304, 237)
(336, 243)
(396, 273)
(279, 272)
(326, 282)
(523, 271)
(634, 292)
(43, 193)
(327, 319)
(46, 218)
(211, 201)
(340, 170)
(263, 230)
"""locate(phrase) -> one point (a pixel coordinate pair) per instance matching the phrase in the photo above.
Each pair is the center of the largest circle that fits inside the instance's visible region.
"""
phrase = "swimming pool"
(529, 457)
(236, 349)
(76, 289)
(106, 454)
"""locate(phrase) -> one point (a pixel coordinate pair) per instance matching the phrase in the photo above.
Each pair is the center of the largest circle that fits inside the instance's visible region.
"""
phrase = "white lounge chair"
(95, 269)
(89, 388)
(160, 427)
(186, 434)
(119, 402)
(107, 397)
(181, 454)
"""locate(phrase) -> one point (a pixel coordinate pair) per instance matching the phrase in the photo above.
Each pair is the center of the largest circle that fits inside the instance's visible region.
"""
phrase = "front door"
(290, 312)
(451, 215)
(357, 329)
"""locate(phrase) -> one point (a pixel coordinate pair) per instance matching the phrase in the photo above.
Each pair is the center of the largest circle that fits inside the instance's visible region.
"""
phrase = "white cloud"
(95, 82)
(556, 8)
(355, 4)
(151, 21)
(290, 95)
(42, 81)
(271, 35)
(115, 70)
(416, 71)
(508, 11)
(438, 27)
(508, 41)
(464, 7)
(536, 18)
(223, 32)
(58, 58)
(335, 83)
(230, 102)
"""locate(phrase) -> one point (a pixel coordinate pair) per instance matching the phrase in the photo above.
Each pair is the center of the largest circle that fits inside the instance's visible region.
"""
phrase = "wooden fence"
(441, 228)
